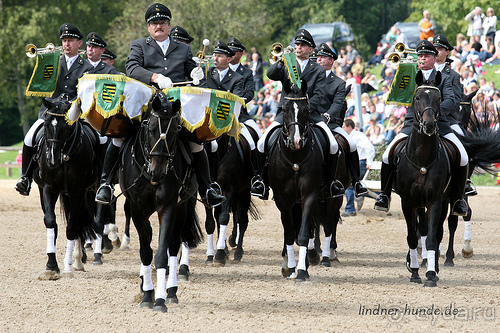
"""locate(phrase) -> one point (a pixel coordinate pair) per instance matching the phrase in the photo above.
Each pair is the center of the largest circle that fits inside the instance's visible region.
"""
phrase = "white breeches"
(464, 158)
(248, 137)
(333, 143)
(195, 147)
(350, 140)
(29, 138)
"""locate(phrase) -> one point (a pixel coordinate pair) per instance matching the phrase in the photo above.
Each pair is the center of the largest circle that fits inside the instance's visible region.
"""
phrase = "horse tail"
(254, 211)
(191, 230)
(82, 214)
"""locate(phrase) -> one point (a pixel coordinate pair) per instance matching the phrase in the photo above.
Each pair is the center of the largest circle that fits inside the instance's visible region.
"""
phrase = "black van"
(337, 34)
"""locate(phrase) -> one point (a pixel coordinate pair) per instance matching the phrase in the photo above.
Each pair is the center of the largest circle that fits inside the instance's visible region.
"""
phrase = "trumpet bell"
(31, 50)
(277, 49)
(401, 48)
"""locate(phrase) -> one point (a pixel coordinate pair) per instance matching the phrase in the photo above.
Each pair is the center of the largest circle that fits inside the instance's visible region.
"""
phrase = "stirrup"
(255, 183)
(23, 186)
(382, 203)
(470, 188)
(102, 197)
(216, 187)
(336, 192)
(460, 213)
(360, 190)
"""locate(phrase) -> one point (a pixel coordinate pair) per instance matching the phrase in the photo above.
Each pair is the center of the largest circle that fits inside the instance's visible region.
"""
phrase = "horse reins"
(418, 115)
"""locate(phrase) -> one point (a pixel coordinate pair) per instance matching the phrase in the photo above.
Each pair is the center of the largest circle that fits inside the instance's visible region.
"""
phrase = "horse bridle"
(304, 128)
(163, 138)
(64, 157)
(418, 115)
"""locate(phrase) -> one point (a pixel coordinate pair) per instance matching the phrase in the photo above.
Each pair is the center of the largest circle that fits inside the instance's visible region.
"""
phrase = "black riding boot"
(210, 193)
(353, 164)
(383, 201)
(335, 189)
(23, 185)
(460, 206)
(259, 188)
(105, 192)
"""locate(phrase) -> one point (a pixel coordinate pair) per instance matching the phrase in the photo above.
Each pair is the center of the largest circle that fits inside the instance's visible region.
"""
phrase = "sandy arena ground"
(253, 296)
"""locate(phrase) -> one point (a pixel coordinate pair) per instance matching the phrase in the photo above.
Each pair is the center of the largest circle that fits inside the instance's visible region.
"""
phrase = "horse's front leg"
(412, 240)
(210, 229)
(452, 228)
(240, 222)
(308, 206)
(48, 200)
(288, 254)
(467, 250)
(220, 255)
(432, 244)
(163, 260)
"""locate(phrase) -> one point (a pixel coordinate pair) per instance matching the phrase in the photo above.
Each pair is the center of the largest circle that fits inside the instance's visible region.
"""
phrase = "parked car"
(337, 34)
(411, 31)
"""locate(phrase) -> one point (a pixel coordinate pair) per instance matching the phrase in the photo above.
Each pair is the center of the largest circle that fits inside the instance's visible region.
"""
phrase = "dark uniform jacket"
(315, 76)
(448, 102)
(334, 100)
(146, 58)
(249, 88)
(232, 82)
(67, 80)
(457, 87)
(102, 68)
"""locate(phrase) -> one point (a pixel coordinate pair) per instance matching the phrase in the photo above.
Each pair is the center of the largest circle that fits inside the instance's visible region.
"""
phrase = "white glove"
(197, 74)
(163, 82)
(196, 82)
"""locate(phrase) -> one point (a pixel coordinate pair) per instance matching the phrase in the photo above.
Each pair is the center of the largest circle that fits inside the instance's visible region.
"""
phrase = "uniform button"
(65, 86)
(67, 77)
(165, 59)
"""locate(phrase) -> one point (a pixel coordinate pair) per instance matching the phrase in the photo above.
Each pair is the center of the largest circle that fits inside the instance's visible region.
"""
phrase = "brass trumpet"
(277, 52)
(401, 48)
(399, 58)
(32, 51)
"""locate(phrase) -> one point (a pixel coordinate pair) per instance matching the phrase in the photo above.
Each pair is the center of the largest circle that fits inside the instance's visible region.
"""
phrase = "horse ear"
(303, 85)
(176, 105)
(287, 86)
(348, 90)
(419, 78)
(156, 103)
(46, 103)
(469, 97)
(437, 79)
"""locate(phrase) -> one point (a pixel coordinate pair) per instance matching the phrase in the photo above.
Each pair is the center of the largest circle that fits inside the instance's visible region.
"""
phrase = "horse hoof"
(285, 272)
(78, 267)
(325, 262)
(467, 254)
(416, 279)
(68, 275)
(302, 276)
(220, 258)
(313, 257)
(97, 259)
(49, 275)
(210, 260)
(116, 242)
(183, 273)
(449, 263)
(238, 255)
(84, 256)
(126, 243)
(148, 305)
(173, 300)
(160, 306)
(430, 283)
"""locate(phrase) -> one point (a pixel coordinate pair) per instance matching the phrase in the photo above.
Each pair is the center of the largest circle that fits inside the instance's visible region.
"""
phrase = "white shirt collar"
(223, 73)
(328, 71)
(94, 63)
(234, 67)
(302, 63)
(70, 61)
(164, 45)
(427, 73)
(439, 67)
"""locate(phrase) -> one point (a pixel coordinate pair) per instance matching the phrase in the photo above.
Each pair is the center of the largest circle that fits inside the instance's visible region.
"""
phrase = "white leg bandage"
(184, 254)
(147, 281)
(333, 143)
(326, 246)
(467, 232)
(161, 278)
(210, 245)
(98, 244)
(302, 258)
(413, 258)
(51, 240)
(106, 229)
(310, 245)
(221, 242)
(68, 258)
(172, 276)
(291, 256)
(237, 233)
(431, 260)
(423, 239)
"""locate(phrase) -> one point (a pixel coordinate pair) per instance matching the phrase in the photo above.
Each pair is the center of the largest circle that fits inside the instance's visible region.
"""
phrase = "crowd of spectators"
(472, 55)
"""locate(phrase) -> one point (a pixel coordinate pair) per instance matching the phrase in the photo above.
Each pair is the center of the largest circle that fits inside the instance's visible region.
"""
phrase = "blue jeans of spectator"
(349, 193)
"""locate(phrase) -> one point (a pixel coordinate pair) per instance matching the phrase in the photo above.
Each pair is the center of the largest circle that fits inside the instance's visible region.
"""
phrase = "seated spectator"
(374, 132)
(389, 76)
(350, 56)
(390, 128)
(401, 123)
(350, 79)
(488, 51)
(460, 38)
(495, 58)
(391, 36)
(358, 68)
(369, 82)
(378, 56)
(256, 106)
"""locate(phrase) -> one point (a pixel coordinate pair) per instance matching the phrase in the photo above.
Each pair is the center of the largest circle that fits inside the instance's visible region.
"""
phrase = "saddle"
(451, 150)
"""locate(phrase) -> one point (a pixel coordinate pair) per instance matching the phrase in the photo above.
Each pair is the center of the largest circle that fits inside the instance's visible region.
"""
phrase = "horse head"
(295, 115)
(57, 130)
(427, 104)
(162, 124)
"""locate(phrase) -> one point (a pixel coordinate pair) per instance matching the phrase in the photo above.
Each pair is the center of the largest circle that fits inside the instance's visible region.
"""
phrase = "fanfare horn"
(32, 51)
(277, 52)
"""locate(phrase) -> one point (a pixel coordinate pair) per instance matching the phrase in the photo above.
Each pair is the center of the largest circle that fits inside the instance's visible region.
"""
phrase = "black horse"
(68, 168)
(422, 178)
(233, 172)
(155, 176)
(295, 174)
